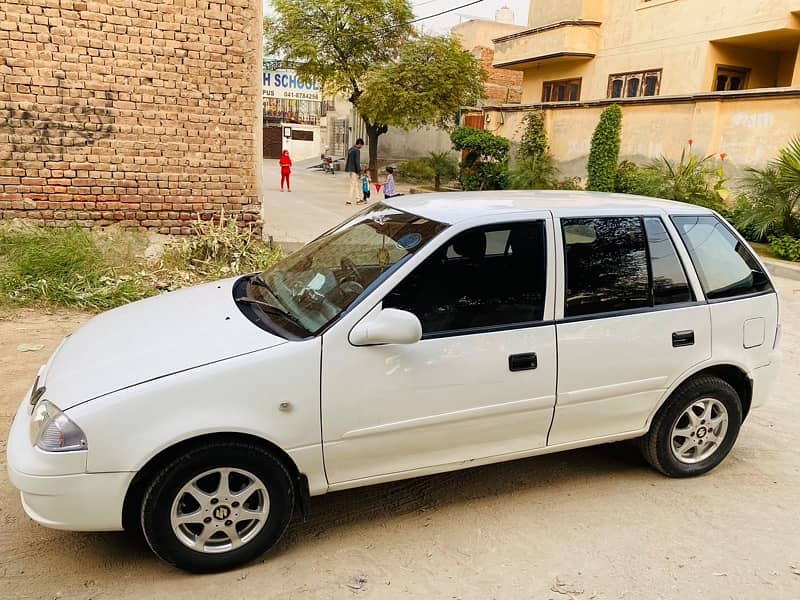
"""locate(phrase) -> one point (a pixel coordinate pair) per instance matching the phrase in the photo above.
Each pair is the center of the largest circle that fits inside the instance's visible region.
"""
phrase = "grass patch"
(98, 270)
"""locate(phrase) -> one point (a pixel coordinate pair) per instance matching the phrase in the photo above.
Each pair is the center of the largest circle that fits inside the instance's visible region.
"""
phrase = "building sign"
(285, 84)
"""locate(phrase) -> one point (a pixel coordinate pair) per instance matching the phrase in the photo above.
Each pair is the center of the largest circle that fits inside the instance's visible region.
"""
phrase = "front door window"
(488, 277)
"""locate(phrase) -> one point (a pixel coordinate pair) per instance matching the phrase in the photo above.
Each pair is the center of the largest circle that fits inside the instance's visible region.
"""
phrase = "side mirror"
(389, 326)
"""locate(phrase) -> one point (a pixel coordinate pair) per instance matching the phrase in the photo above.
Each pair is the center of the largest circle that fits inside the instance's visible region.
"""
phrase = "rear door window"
(619, 264)
(724, 264)
(606, 265)
(670, 285)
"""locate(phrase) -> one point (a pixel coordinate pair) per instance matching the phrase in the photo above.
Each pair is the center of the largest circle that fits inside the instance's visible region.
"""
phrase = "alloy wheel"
(220, 510)
(699, 431)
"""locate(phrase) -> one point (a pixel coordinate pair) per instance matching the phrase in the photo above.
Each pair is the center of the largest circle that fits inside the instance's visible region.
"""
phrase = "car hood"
(152, 338)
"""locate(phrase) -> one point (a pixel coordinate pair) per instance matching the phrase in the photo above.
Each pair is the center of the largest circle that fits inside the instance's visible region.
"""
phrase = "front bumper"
(86, 502)
(56, 491)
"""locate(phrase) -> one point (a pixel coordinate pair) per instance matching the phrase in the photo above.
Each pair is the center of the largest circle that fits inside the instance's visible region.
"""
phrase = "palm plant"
(771, 198)
(444, 167)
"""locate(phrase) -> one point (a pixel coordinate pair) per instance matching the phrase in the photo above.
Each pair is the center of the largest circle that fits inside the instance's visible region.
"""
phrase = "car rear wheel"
(695, 429)
(217, 506)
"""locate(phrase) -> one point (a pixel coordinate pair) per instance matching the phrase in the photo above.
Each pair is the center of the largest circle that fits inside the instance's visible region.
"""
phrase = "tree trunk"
(373, 133)
(437, 182)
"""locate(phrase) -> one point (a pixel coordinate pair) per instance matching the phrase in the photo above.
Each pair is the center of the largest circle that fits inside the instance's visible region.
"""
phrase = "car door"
(741, 297)
(632, 324)
(481, 382)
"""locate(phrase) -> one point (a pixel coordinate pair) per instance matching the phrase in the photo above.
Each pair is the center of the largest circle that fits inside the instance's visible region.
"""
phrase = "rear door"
(743, 302)
(632, 324)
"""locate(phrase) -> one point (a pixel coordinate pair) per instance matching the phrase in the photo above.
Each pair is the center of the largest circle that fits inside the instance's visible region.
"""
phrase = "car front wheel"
(217, 506)
(695, 429)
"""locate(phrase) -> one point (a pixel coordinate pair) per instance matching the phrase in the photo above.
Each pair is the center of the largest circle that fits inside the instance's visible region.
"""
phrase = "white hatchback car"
(425, 334)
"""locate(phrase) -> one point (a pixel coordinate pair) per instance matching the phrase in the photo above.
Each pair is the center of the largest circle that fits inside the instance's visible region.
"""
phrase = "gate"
(341, 143)
(273, 141)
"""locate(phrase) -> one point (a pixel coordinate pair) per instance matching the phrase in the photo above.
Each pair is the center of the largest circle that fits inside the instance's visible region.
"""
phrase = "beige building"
(725, 74)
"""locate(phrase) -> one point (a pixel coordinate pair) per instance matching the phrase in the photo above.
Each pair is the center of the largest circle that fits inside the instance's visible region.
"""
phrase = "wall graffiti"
(31, 129)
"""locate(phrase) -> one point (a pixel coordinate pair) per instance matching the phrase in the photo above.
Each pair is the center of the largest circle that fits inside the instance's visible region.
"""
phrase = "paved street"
(588, 524)
(316, 203)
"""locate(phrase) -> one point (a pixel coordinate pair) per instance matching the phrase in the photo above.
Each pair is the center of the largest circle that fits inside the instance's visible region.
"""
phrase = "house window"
(562, 90)
(634, 85)
(730, 78)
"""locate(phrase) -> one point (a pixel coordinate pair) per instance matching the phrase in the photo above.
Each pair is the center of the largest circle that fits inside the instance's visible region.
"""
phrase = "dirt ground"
(587, 524)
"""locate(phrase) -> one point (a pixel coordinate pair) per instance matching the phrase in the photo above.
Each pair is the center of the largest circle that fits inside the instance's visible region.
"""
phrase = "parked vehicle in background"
(425, 334)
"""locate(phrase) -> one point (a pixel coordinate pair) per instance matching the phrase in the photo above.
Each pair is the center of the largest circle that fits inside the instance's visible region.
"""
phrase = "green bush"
(786, 247)
(417, 170)
(534, 143)
(604, 152)
(537, 173)
(534, 168)
(630, 178)
(485, 176)
(485, 165)
(691, 179)
(770, 200)
(480, 144)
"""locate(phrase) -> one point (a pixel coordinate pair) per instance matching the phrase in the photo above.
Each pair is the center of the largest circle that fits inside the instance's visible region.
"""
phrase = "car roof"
(452, 207)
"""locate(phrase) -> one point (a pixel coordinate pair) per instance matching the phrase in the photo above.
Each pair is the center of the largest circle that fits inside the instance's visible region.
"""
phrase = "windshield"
(310, 288)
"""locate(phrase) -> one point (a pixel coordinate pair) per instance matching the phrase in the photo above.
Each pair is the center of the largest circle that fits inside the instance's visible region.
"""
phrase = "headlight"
(53, 431)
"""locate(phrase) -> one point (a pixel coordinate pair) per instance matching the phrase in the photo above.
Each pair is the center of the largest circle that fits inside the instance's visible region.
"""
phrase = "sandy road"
(592, 523)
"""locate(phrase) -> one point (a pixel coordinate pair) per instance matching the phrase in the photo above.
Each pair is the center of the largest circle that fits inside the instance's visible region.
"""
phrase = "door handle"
(522, 362)
(682, 338)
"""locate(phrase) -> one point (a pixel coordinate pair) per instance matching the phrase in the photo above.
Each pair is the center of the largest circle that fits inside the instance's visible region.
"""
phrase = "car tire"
(195, 522)
(695, 429)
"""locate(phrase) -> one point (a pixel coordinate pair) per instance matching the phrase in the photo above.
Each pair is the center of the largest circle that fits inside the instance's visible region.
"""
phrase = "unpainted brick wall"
(503, 86)
(142, 113)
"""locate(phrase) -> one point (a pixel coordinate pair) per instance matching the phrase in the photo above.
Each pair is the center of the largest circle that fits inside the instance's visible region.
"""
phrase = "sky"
(483, 10)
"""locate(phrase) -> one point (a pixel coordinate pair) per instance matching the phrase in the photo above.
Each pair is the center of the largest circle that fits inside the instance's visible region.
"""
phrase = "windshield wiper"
(273, 310)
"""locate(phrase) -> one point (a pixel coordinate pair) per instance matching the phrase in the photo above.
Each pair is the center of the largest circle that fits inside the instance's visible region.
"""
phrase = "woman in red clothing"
(286, 169)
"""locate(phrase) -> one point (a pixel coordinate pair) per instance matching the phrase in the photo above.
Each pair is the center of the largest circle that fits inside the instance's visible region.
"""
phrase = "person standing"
(285, 162)
(364, 189)
(388, 187)
(353, 166)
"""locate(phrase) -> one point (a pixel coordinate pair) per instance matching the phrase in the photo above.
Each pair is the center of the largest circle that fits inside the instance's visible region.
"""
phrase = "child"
(364, 189)
(286, 169)
(388, 187)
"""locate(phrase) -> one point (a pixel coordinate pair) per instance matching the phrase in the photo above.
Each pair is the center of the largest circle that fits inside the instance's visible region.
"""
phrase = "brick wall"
(503, 86)
(144, 113)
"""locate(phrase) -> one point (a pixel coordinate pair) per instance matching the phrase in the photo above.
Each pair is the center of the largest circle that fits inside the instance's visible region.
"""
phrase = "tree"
(485, 164)
(432, 78)
(534, 136)
(604, 153)
(534, 169)
(367, 50)
(443, 166)
(337, 42)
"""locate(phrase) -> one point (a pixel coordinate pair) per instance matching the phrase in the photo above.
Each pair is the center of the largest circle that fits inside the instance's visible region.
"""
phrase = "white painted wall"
(301, 150)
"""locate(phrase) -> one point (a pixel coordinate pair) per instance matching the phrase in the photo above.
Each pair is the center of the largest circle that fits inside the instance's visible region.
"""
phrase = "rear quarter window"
(724, 264)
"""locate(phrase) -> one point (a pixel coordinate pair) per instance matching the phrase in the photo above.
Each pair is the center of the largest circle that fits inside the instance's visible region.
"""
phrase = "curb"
(782, 268)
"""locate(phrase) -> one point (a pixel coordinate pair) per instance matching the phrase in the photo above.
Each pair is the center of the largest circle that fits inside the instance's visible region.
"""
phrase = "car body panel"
(613, 371)
(152, 338)
(243, 394)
